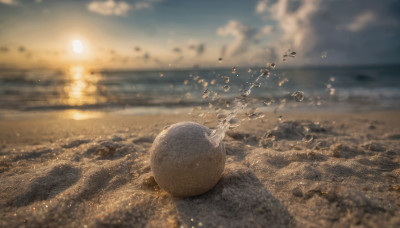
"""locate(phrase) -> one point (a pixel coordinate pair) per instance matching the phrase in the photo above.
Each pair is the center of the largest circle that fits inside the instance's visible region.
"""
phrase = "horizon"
(279, 68)
(174, 34)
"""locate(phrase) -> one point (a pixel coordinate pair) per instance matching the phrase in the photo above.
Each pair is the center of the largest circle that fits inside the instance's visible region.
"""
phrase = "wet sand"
(311, 169)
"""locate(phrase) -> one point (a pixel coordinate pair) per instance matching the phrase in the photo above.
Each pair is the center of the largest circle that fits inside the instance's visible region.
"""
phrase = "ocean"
(77, 88)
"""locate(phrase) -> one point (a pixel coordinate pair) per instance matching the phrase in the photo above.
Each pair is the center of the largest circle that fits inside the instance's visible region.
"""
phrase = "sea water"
(368, 87)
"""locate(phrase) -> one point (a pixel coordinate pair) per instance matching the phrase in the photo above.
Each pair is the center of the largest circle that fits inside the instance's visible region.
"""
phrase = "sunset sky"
(147, 34)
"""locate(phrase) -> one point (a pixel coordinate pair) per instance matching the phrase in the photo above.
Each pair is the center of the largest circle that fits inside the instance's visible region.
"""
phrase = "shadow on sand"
(238, 200)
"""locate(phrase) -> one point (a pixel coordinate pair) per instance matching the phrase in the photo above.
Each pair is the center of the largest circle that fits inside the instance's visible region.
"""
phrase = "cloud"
(261, 6)
(121, 8)
(196, 46)
(109, 7)
(361, 21)
(349, 31)
(9, 2)
(245, 35)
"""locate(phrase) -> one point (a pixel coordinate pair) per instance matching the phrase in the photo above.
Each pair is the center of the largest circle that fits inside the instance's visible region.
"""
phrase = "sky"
(158, 34)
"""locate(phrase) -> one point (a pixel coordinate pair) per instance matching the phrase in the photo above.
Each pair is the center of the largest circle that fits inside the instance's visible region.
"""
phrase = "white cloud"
(244, 35)
(361, 21)
(262, 6)
(349, 30)
(109, 7)
(121, 8)
(266, 30)
(294, 23)
(9, 2)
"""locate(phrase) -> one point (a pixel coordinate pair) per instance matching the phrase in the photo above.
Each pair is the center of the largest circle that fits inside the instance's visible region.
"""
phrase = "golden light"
(77, 46)
(83, 88)
(82, 115)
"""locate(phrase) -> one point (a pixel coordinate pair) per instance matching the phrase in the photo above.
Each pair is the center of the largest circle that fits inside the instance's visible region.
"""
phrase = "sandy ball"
(184, 162)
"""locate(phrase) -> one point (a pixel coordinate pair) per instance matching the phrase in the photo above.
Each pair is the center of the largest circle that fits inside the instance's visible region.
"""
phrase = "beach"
(290, 169)
(184, 114)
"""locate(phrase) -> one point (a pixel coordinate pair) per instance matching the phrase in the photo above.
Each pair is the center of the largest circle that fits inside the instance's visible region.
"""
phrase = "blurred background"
(151, 56)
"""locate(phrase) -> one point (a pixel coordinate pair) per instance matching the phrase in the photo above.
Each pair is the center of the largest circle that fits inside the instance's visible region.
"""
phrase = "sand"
(312, 169)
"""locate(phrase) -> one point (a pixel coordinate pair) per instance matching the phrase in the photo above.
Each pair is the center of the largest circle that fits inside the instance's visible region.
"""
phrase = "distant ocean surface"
(373, 87)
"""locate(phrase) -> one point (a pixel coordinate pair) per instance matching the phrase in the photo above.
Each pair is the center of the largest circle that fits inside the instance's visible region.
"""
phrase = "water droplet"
(206, 94)
(188, 95)
(257, 84)
(283, 81)
(225, 78)
(308, 138)
(205, 84)
(226, 88)
(280, 118)
(268, 101)
(161, 75)
(292, 54)
(332, 79)
(233, 70)
(195, 78)
(185, 82)
(328, 86)
(265, 73)
(245, 93)
(212, 82)
(220, 60)
(324, 54)
(332, 91)
(298, 96)
(234, 123)
(249, 70)
(271, 65)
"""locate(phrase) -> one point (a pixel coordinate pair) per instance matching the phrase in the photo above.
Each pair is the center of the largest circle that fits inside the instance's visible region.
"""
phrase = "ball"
(183, 160)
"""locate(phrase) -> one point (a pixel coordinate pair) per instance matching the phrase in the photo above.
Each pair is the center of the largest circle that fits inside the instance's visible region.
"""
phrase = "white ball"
(183, 160)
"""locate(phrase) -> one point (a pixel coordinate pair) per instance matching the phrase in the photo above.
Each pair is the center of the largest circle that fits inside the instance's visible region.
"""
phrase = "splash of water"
(239, 104)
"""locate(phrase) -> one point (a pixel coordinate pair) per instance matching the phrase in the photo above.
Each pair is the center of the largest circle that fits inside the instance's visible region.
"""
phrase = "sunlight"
(83, 87)
(77, 46)
(82, 115)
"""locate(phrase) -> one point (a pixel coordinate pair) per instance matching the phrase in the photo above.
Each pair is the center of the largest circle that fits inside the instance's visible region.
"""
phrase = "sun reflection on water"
(83, 88)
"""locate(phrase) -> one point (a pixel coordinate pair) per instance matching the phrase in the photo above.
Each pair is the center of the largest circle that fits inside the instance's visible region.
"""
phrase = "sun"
(77, 46)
